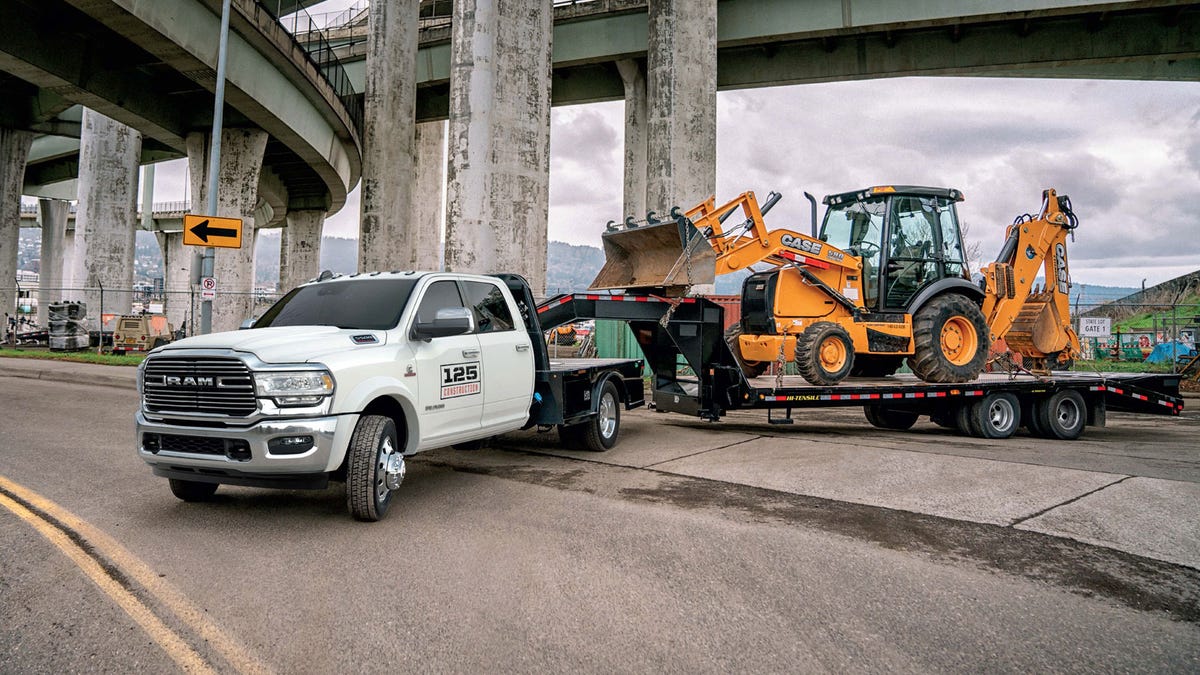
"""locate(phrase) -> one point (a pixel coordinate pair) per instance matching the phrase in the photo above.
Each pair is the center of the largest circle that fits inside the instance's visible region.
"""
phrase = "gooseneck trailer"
(694, 372)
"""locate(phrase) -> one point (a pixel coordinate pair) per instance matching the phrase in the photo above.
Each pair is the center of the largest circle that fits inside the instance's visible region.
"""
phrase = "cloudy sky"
(1127, 153)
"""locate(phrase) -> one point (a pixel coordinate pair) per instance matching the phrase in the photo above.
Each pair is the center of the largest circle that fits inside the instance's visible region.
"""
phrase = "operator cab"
(908, 238)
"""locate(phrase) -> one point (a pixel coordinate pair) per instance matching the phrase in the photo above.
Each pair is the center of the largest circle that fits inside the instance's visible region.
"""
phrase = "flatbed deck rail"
(692, 328)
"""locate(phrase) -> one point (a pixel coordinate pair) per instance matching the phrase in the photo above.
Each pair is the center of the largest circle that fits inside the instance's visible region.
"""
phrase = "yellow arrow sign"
(212, 231)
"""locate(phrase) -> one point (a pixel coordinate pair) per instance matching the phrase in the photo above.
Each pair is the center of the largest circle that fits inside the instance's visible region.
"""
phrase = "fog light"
(290, 445)
(151, 443)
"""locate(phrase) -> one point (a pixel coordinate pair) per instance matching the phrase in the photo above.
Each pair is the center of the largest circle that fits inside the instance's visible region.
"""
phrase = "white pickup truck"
(346, 376)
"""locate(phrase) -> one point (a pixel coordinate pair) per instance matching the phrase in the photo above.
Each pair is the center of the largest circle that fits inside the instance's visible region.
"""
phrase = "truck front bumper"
(273, 453)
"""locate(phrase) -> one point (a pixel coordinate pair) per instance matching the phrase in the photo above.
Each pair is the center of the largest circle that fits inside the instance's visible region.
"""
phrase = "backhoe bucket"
(667, 257)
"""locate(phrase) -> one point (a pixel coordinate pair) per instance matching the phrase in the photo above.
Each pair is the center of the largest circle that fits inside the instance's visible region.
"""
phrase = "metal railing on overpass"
(322, 55)
(159, 207)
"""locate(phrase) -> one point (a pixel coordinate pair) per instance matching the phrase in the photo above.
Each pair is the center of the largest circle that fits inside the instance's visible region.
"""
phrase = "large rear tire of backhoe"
(752, 369)
(950, 340)
(824, 353)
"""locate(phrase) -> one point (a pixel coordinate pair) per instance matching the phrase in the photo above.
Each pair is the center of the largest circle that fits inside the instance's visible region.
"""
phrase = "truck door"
(450, 383)
(508, 368)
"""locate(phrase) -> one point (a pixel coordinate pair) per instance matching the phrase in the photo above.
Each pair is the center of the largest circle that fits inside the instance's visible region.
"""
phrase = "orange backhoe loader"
(883, 279)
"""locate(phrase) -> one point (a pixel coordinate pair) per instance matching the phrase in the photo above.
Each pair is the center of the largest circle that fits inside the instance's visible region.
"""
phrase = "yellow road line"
(132, 567)
(179, 651)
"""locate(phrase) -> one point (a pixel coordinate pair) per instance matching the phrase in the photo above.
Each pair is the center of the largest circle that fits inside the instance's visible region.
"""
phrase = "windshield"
(366, 304)
(851, 225)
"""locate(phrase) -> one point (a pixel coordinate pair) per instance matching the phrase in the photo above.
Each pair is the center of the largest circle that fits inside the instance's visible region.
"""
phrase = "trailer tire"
(996, 415)
(1062, 416)
(192, 491)
(824, 353)
(950, 340)
(373, 447)
(944, 420)
(884, 418)
(752, 369)
(875, 366)
(962, 419)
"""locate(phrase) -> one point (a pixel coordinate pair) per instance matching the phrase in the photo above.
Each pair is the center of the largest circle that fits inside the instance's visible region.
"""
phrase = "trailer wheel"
(374, 468)
(824, 353)
(950, 340)
(996, 415)
(944, 420)
(752, 369)
(962, 419)
(1062, 416)
(192, 491)
(883, 418)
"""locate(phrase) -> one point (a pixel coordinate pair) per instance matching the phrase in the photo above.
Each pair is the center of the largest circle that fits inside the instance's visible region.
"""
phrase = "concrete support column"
(70, 285)
(633, 74)
(681, 80)
(14, 150)
(300, 248)
(426, 218)
(385, 240)
(237, 197)
(499, 190)
(177, 278)
(53, 215)
(106, 218)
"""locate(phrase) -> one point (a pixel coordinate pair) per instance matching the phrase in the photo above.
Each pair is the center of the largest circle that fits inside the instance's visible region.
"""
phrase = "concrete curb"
(84, 375)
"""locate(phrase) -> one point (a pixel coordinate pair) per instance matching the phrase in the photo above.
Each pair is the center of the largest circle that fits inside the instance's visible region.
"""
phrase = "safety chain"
(779, 362)
(674, 304)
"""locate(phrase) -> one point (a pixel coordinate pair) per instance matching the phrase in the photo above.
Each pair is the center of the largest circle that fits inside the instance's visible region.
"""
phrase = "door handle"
(522, 348)
(470, 353)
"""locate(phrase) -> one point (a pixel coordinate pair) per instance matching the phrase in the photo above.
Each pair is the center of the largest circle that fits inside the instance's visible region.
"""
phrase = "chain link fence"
(26, 320)
(1161, 333)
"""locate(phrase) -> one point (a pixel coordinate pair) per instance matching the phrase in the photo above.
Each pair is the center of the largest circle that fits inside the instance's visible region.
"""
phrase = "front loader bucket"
(667, 257)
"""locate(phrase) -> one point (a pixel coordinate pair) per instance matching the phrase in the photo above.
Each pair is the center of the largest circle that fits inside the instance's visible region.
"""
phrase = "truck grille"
(213, 385)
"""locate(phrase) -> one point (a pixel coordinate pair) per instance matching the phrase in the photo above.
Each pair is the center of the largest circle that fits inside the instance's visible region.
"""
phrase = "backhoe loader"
(883, 279)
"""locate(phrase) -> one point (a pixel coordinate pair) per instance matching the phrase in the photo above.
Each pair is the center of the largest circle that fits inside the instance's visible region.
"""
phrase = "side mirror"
(248, 323)
(447, 322)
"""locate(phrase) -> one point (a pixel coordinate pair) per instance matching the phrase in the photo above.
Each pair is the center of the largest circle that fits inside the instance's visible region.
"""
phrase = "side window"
(491, 309)
(439, 295)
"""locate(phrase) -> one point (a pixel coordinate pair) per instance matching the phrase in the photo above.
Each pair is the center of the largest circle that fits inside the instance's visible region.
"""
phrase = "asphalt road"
(512, 560)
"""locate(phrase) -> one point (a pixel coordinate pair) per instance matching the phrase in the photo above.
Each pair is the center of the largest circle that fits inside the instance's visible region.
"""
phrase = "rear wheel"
(374, 468)
(599, 433)
(192, 491)
(1062, 416)
(950, 340)
(996, 415)
(884, 418)
(824, 353)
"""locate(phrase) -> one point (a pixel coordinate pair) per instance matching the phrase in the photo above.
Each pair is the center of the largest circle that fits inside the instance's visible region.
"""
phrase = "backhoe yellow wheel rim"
(832, 354)
(959, 341)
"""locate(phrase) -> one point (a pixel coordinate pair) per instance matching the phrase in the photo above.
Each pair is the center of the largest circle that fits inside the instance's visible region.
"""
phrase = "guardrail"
(158, 207)
(321, 54)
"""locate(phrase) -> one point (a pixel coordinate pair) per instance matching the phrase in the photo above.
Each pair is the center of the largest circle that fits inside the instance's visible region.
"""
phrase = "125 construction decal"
(460, 379)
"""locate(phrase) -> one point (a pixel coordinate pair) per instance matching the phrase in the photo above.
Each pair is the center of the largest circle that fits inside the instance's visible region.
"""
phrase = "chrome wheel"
(607, 415)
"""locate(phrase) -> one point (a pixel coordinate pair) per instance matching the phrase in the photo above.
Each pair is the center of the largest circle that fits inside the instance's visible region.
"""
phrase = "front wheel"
(374, 468)
(192, 491)
(824, 353)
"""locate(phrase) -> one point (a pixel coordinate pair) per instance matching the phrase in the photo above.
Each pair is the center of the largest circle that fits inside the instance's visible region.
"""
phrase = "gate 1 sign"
(1095, 327)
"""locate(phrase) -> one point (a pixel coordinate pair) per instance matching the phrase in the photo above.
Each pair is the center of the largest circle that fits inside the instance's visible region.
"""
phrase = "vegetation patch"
(104, 359)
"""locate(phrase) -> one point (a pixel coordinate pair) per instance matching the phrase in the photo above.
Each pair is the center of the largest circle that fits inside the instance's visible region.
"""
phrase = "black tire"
(192, 491)
(372, 447)
(996, 415)
(600, 433)
(945, 419)
(752, 369)
(962, 419)
(883, 418)
(875, 366)
(944, 330)
(824, 353)
(1062, 416)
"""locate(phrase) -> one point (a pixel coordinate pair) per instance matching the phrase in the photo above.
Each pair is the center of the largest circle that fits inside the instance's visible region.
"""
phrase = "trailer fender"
(598, 386)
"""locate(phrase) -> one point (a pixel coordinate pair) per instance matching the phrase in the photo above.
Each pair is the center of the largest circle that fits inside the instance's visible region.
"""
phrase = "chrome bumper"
(331, 436)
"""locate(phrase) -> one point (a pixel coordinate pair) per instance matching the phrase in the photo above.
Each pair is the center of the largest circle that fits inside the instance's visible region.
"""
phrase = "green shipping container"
(614, 340)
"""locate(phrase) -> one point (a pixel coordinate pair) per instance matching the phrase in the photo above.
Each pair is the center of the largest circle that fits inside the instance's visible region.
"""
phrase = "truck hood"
(288, 344)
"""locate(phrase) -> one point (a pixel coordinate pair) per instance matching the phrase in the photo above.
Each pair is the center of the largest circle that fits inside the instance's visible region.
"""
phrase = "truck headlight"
(299, 388)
